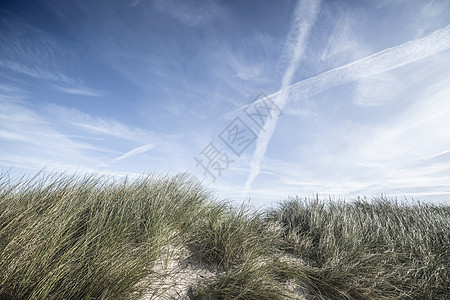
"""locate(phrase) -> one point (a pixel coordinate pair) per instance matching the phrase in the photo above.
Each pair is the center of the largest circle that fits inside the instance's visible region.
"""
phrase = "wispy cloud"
(33, 52)
(376, 90)
(343, 44)
(81, 91)
(304, 19)
(136, 151)
(402, 154)
(104, 126)
(190, 14)
(33, 137)
(377, 63)
(73, 86)
(135, 2)
(22, 129)
(431, 15)
(36, 72)
(414, 129)
(440, 154)
(245, 71)
(172, 149)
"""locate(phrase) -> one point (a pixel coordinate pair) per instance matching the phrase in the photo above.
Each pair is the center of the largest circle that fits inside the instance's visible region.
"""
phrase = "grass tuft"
(91, 237)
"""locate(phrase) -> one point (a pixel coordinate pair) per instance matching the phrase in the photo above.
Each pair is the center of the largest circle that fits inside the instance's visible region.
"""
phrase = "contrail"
(379, 62)
(136, 151)
(304, 19)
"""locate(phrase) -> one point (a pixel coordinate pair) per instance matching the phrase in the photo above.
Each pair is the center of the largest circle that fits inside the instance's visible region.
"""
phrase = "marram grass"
(72, 237)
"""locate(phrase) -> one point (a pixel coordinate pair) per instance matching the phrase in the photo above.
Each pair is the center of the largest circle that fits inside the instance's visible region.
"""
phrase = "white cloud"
(376, 90)
(418, 133)
(377, 63)
(343, 42)
(80, 91)
(72, 86)
(136, 151)
(104, 126)
(404, 154)
(440, 154)
(430, 15)
(33, 52)
(407, 131)
(190, 14)
(304, 19)
(36, 72)
(25, 131)
(248, 72)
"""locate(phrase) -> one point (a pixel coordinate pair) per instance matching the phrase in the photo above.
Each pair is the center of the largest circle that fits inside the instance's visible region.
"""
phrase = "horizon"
(257, 100)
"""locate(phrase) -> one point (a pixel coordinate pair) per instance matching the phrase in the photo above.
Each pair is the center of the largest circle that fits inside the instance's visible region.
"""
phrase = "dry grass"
(65, 237)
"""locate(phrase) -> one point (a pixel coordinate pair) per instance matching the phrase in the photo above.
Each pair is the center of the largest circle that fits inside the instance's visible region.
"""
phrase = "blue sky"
(359, 91)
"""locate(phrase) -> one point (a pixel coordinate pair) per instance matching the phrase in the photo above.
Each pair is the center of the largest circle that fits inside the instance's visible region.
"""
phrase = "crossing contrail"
(380, 62)
(304, 19)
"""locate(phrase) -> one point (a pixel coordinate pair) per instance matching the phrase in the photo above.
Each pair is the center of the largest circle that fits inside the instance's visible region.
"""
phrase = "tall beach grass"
(91, 237)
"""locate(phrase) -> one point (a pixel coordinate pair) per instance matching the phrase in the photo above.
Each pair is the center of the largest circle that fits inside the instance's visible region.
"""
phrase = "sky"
(258, 100)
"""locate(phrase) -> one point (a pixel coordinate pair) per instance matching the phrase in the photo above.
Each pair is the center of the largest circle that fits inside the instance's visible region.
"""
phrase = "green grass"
(377, 250)
(69, 237)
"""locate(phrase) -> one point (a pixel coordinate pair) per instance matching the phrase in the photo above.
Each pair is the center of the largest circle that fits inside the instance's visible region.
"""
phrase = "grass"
(69, 237)
(377, 250)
